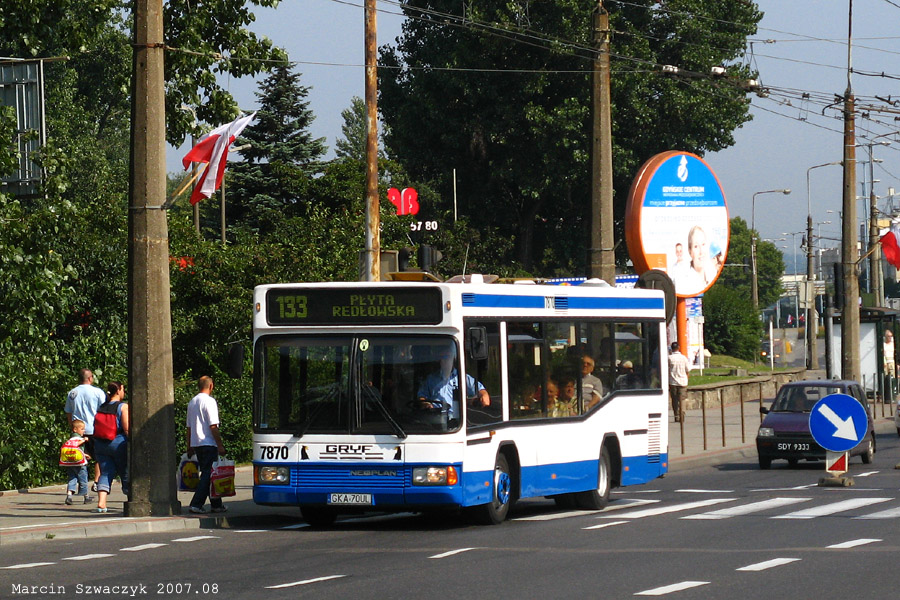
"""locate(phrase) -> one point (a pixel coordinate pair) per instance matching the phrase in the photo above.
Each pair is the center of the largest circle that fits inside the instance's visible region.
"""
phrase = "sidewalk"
(39, 514)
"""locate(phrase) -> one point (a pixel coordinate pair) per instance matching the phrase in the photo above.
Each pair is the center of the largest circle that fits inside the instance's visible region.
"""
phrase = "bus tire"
(495, 511)
(598, 499)
(318, 516)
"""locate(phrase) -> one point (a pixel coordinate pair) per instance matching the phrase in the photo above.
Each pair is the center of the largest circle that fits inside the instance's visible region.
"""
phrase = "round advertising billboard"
(676, 220)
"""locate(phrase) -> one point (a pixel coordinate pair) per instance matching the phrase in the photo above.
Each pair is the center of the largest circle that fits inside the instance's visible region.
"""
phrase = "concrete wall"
(753, 388)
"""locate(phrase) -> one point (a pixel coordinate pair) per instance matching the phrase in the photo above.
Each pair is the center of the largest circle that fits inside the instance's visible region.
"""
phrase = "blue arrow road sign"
(838, 422)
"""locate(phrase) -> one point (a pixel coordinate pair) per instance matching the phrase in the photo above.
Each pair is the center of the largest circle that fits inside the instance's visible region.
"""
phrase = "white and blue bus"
(357, 402)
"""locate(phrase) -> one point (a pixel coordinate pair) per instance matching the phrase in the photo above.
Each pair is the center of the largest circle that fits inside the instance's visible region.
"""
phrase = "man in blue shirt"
(82, 403)
(439, 389)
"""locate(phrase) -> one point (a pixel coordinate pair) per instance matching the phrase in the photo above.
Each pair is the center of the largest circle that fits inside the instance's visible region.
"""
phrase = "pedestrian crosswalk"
(773, 508)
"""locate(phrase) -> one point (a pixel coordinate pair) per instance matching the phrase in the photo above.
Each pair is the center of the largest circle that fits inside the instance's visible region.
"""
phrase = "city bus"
(463, 396)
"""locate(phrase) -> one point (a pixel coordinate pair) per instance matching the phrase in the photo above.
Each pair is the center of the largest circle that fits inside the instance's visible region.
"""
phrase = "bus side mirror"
(476, 343)
(235, 365)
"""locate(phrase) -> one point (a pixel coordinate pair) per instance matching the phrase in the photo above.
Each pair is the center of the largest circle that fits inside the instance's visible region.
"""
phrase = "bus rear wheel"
(495, 511)
(318, 516)
(598, 499)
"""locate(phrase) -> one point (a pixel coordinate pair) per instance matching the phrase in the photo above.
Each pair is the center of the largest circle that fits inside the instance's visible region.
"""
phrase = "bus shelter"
(877, 355)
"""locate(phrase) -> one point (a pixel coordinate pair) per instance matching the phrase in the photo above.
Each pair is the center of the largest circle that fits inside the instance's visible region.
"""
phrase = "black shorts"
(88, 447)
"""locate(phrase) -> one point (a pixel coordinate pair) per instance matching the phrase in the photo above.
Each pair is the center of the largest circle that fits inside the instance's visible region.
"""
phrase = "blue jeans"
(77, 480)
(206, 456)
(113, 459)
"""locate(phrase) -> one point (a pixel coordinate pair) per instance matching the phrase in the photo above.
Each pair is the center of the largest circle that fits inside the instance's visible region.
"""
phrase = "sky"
(800, 50)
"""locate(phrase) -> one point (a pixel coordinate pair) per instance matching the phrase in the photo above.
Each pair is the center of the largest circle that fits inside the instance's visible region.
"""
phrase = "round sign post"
(838, 422)
(676, 220)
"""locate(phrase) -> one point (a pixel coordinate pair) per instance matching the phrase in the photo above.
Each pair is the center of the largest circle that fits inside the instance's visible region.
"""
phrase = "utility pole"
(875, 275)
(373, 217)
(602, 253)
(850, 368)
(151, 447)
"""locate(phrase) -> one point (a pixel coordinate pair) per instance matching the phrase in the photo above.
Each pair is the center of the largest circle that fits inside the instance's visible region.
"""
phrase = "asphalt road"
(730, 531)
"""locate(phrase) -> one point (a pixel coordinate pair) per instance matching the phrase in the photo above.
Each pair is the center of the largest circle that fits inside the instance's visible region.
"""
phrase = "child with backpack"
(73, 457)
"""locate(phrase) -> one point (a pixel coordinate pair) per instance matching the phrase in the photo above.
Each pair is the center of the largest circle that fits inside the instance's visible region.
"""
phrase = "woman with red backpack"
(111, 428)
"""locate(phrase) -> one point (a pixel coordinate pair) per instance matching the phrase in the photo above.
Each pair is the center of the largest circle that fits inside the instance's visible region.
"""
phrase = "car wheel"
(869, 455)
(765, 462)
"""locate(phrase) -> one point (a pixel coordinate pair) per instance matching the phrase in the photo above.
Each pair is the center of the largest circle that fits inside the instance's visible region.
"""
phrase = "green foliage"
(730, 327)
(512, 112)
(769, 265)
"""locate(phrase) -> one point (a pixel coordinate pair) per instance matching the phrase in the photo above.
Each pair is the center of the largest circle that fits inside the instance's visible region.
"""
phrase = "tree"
(282, 157)
(354, 130)
(502, 94)
(769, 265)
(730, 325)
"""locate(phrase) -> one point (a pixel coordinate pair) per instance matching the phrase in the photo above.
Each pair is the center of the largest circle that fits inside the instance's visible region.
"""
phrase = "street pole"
(812, 319)
(151, 445)
(875, 275)
(373, 217)
(602, 252)
(754, 284)
(850, 368)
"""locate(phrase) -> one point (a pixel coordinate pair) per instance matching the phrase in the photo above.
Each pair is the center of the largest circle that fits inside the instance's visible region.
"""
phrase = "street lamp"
(812, 319)
(755, 283)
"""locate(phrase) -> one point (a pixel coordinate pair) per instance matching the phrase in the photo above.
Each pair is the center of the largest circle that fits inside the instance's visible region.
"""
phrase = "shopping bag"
(71, 454)
(221, 482)
(188, 473)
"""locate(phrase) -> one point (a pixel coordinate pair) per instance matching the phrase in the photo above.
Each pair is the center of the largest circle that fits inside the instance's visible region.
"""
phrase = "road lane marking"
(866, 474)
(768, 564)
(661, 510)
(304, 582)
(690, 491)
(854, 543)
(452, 552)
(675, 587)
(196, 538)
(830, 509)
(746, 509)
(787, 489)
(602, 525)
(89, 557)
(28, 565)
(142, 547)
(295, 526)
(616, 505)
(891, 513)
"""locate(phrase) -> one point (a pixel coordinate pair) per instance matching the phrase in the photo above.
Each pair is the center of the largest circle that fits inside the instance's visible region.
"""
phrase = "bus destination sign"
(353, 306)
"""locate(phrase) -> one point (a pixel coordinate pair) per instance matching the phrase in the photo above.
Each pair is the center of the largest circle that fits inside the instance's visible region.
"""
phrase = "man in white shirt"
(203, 439)
(679, 365)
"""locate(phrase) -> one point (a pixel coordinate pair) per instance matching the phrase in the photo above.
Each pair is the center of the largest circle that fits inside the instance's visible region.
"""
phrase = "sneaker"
(69, 500)
(219, 509)
(197, 510)
(88, 499)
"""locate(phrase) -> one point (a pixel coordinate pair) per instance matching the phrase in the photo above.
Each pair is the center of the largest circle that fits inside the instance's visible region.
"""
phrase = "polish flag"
(890, 245)
(213, 149)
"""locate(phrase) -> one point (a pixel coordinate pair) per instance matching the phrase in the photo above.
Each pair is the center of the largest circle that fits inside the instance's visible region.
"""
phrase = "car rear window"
(801, 398)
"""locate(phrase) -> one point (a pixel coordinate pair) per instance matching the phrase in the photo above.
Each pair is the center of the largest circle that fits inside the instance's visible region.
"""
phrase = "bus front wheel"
(495, 511)
(598, 499)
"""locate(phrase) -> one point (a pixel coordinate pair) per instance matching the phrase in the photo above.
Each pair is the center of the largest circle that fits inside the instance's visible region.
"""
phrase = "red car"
(784, 433)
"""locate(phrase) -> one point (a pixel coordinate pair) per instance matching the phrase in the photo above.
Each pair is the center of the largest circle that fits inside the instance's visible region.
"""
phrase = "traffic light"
(427, 256)
(403, 256)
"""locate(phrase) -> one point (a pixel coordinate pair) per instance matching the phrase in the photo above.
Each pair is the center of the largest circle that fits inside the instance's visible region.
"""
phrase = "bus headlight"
(273, 475)
(435, 476)
(766, 432)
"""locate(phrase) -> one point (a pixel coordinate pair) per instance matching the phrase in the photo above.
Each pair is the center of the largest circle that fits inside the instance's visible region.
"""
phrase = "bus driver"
(438, 389)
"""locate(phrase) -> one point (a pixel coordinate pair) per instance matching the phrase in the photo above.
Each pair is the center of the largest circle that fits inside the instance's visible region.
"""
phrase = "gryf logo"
(351, 452)
(682, 169)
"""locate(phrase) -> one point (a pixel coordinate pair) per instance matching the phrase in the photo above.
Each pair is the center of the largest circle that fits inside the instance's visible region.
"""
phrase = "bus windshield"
(376, 384)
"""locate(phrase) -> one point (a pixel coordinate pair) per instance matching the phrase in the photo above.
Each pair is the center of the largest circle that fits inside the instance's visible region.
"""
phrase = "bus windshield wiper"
(371, 395)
